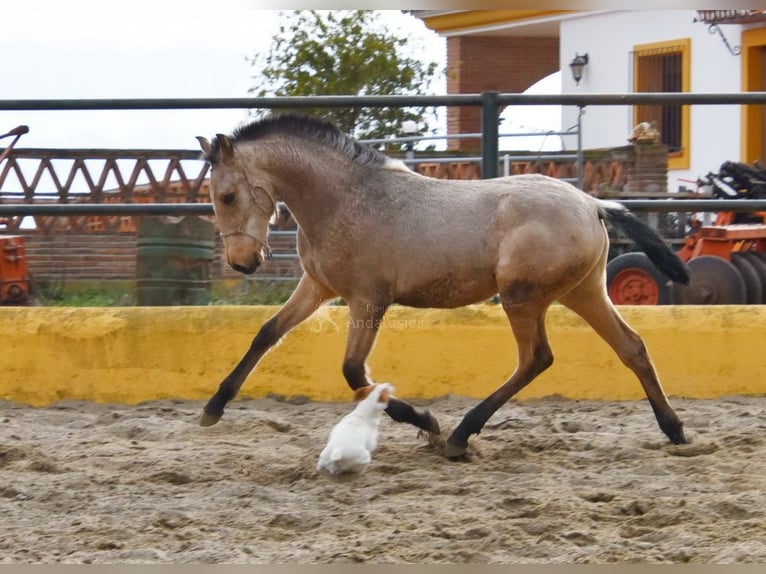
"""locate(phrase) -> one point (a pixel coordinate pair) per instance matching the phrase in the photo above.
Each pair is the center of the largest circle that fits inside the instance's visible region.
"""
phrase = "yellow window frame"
(753, 46)
(677, 159)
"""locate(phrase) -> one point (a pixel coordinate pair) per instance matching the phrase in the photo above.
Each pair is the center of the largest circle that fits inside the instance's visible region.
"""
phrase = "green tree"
(323, 52)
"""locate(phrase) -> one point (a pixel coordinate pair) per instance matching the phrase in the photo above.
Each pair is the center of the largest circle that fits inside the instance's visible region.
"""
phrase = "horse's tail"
(647, 239)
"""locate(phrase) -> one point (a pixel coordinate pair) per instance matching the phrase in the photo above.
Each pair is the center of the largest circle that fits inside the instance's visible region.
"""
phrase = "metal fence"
(490, 103)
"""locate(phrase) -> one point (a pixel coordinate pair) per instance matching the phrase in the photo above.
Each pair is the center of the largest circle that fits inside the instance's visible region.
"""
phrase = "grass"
(73, 293)
(251, 293)
(86, 294)
(123, 293)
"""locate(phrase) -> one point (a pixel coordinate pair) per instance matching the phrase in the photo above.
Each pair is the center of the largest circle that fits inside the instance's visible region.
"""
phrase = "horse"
(376, 234)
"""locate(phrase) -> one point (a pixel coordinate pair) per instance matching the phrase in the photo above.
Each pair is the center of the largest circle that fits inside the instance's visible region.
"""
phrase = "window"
(753, 80)
(664, 67)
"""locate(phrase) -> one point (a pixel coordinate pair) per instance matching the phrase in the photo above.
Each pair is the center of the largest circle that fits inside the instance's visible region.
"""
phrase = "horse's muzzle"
(247, 270)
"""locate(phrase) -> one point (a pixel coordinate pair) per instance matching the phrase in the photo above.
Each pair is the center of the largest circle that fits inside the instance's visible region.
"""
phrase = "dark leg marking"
(670, 424)
(266, 338)
(534, 356)
(475, 419)
(403, 412)
(399, 410)
(589, 300)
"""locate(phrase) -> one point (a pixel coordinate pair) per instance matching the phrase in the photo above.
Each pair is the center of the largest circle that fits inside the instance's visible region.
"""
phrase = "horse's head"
(243, 202)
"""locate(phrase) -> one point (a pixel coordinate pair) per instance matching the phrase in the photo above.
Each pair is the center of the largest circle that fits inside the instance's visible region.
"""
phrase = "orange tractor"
(14, 275)
(726, 259)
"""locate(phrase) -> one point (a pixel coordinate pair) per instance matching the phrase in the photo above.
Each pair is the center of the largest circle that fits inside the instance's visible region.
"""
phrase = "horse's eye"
(228, 198)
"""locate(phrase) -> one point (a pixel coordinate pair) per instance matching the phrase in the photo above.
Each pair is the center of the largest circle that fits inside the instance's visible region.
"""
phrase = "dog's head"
(379, 392)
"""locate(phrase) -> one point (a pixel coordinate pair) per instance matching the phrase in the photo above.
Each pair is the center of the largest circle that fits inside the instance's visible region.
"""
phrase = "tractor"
(726, 259)
(14, 275)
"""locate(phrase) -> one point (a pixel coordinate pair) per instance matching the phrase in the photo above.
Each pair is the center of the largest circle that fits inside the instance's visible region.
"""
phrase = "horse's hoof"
(674, 430)
(679, 438)
(454, 451)
(208, 420)
(433, 425)
(435, 441)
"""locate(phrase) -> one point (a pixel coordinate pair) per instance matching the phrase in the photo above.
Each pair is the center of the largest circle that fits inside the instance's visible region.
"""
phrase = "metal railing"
(489, 102)
(491, 162)
(148, 209)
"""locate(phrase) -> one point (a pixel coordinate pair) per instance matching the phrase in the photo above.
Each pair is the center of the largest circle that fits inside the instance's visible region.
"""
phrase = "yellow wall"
(134, 354)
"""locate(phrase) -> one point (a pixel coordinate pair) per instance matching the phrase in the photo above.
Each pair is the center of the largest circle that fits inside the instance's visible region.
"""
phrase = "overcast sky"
(139, 49)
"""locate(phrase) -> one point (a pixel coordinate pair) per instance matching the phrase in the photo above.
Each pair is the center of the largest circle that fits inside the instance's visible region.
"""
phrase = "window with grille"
(664, 67)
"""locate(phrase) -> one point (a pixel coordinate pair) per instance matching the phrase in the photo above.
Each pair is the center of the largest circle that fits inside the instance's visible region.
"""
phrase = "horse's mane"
(307, 127)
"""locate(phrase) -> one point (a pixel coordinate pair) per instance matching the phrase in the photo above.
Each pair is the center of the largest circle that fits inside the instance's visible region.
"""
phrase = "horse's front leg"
(306, 298)
(534, 356)
(364, 321)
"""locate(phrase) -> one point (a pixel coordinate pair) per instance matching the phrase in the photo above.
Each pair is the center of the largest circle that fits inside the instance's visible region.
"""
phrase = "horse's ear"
(205, 145)
(227, 149)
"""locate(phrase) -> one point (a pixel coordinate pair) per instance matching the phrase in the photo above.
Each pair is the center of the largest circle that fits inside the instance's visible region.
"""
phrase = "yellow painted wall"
(133, 354)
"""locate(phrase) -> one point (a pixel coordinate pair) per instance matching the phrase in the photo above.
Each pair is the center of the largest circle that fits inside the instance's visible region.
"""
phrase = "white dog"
(353, 440)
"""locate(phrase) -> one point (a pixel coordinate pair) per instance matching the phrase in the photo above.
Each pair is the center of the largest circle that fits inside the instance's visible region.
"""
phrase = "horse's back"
(457, 235)
(527, 188)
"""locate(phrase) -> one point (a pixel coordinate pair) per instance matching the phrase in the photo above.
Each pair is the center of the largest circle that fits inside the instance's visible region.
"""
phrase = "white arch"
(533, 119)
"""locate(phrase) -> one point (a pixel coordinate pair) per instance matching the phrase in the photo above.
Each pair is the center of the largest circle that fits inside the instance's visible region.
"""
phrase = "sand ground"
(549, 481)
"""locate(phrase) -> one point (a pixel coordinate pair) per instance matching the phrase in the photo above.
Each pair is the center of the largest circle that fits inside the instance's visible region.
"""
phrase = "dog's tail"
(647, 239)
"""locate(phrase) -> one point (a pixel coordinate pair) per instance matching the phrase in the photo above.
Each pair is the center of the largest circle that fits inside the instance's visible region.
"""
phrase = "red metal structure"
(14, 274)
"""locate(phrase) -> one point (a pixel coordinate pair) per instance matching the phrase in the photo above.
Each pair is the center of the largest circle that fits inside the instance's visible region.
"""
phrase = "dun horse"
(376, 234)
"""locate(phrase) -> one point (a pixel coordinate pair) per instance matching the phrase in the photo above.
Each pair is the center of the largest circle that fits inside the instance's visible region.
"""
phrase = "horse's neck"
(309, 181)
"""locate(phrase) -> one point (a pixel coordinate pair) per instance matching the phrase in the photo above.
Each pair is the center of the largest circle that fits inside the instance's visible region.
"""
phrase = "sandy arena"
(551, 481)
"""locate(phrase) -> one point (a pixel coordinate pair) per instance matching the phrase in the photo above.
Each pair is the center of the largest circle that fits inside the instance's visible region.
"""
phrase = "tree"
(323, 52)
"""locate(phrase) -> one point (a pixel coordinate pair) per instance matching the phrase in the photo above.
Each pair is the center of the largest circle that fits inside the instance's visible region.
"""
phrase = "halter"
(264, 242)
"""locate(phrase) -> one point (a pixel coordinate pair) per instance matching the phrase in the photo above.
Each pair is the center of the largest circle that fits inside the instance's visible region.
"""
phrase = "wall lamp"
(409, 128)
(577, 64)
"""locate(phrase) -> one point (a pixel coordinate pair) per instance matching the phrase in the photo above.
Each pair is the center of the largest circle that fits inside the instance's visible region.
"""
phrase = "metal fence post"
(489, 134)
(580, 154)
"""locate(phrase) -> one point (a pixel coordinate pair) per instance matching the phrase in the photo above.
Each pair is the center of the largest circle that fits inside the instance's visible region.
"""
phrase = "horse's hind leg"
(590, 301)
(364, 322)
(534, 356)
(306, 298)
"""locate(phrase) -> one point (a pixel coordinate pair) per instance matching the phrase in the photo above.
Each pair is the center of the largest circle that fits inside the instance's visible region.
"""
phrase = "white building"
(698, 51)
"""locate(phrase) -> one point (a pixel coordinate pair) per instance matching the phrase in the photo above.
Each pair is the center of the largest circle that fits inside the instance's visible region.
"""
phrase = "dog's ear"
(385, 394)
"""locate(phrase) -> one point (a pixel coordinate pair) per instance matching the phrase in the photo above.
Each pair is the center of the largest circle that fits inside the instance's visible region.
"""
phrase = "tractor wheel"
(631, 279)
(758, 260)
(751, 277)
(714, 281)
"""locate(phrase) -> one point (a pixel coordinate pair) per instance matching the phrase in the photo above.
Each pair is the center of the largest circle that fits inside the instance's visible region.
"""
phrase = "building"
(700, 51)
